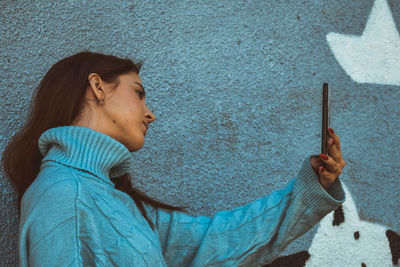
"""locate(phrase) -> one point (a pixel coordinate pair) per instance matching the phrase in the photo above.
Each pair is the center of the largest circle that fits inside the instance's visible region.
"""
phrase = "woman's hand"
(334, 162)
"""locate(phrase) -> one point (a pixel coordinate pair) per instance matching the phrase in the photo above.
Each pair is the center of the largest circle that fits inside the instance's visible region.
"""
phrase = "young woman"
(70, 167)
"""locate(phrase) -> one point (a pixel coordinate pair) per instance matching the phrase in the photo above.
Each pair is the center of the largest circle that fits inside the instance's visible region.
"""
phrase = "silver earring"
(101, 102)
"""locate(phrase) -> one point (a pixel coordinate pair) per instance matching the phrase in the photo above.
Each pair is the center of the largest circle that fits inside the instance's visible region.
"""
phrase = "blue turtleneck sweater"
(72, 215)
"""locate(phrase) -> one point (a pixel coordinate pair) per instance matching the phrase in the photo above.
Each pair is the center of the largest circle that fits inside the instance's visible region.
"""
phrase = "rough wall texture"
(236, 89)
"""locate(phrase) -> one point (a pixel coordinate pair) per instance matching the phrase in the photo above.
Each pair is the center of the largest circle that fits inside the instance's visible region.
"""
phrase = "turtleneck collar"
(86, 149)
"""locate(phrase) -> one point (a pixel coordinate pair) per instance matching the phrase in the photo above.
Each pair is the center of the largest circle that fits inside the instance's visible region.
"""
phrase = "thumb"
(315, 164)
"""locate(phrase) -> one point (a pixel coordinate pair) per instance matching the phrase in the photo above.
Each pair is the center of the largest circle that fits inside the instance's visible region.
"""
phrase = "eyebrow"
(141, 87)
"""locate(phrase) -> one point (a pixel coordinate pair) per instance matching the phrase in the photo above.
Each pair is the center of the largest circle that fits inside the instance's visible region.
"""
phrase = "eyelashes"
(141, 94)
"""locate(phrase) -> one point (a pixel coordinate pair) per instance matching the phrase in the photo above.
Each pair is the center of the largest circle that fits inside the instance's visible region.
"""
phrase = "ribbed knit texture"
(72, 215)
(309, 190)
(86, 149)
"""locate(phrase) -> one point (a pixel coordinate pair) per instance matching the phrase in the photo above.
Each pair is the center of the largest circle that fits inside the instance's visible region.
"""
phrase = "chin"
(136, 147)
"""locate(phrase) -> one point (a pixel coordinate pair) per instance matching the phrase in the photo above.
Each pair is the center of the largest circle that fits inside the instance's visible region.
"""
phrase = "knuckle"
(330, 177)
(337, 166)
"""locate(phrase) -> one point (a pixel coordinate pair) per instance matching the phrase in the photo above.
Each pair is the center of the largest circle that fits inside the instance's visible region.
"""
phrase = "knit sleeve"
(249, 235)
(58, 248)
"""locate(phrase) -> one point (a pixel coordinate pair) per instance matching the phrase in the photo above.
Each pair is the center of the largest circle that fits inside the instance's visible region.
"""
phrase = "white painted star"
(373, 57)
(352, 242)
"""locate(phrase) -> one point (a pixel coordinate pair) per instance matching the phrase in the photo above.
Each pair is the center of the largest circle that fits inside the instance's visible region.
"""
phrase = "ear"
(96, 86)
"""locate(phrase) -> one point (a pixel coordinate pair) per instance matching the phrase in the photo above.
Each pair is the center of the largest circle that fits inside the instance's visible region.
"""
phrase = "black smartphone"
(325, 121)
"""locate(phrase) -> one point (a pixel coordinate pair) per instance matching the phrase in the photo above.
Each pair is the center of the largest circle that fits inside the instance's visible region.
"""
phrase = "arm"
(252, 234)
(58, 248)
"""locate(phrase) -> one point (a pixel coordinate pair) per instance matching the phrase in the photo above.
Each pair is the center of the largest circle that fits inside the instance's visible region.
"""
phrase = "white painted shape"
(336, 245)
(373, 57)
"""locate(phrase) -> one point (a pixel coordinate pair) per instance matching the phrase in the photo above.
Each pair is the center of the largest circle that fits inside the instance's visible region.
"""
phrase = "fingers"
(333, 162)
(334, 148)
(315, 164)
(333, 151)
(335, 138)
(326, 178)
(332, 166)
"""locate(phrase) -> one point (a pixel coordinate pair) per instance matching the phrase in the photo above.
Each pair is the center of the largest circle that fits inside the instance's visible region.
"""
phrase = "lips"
(147, 127)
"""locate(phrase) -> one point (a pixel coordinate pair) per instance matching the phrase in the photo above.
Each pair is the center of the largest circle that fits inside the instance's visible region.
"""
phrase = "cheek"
(122, 110)
(127, 112)
(120, 118)
(133, 118)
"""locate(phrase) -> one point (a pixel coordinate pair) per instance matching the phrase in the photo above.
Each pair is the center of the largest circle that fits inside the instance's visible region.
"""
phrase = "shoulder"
(54, 187)
(49, 204)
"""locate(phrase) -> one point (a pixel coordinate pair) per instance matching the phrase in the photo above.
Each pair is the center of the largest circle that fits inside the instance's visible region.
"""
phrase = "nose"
(149, 115)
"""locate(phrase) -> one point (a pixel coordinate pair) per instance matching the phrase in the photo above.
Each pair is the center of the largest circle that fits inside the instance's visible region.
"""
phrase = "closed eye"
(140, 93)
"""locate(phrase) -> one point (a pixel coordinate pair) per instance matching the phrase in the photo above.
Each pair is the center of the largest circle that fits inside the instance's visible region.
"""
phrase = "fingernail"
(323, 156)
(331, 130)
(322, 168)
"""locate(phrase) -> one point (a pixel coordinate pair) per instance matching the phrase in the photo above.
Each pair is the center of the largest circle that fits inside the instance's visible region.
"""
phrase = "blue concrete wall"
(236, 89)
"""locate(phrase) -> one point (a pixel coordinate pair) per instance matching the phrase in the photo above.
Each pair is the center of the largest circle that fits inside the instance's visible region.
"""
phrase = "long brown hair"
(58, 100)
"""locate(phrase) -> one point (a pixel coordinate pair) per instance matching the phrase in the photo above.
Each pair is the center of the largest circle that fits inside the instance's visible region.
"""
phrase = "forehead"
(131, 77)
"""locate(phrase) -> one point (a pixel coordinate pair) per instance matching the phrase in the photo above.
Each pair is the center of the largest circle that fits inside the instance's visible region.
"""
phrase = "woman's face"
(124, 115)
